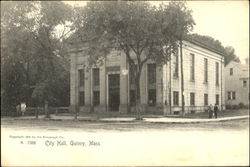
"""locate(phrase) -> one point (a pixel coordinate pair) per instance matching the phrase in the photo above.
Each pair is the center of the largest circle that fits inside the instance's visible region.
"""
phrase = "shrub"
(241, 105)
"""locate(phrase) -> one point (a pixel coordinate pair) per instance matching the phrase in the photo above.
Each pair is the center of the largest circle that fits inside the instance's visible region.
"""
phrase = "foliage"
(141, 31)
(228, 51)
(34, 64)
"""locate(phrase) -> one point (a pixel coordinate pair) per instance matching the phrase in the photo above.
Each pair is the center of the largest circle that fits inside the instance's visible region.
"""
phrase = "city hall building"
(110, 87)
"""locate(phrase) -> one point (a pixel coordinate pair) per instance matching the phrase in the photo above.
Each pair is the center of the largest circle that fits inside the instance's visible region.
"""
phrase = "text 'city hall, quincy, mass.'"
(110, 87)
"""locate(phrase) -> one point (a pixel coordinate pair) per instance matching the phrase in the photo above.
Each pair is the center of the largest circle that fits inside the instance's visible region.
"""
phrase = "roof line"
(196, 42)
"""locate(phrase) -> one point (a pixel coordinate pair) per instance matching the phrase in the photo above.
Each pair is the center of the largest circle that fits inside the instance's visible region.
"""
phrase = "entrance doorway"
(114, 92)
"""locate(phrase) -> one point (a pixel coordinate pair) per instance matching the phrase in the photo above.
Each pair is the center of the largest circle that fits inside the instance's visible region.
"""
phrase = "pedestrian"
(18, 109)
(216, 109)
(23, 108)
(210, 111)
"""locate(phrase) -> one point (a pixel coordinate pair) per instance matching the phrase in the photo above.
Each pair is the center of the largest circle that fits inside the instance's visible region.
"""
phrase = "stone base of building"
(72, 108)
(100, 109)
(158, 109)
(123, 108)
(85, 109)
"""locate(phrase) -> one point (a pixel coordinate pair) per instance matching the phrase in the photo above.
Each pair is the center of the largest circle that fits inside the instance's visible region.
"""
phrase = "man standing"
(216, 110)
(210, 111)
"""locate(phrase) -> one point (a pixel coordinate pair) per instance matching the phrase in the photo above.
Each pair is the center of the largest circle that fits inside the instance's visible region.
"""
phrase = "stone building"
(237, 83)
(110, 88)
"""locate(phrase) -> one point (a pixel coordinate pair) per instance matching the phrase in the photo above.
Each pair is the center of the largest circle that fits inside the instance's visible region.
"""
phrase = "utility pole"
(182, 81)
(170, 87)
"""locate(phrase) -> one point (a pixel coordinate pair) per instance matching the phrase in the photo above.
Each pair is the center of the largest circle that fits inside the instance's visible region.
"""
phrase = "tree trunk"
(138, 98)
(182, 82)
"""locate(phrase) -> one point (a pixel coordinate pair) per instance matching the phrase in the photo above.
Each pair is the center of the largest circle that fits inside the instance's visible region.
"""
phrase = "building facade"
(237, 83)
(110, 87)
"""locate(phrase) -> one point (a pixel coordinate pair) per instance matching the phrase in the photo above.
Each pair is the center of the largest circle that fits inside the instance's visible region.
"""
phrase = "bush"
(228, 107)
(235, 106)
(241, 105)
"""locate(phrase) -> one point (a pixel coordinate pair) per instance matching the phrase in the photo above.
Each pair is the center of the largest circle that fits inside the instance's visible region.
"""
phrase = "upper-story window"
(231, 71)
(192, 67)
(96, 76)
(176, 65)
(151, 73)
(81, 77)
(244, 83)
(205, 70)
(231, 95)
(217, 73)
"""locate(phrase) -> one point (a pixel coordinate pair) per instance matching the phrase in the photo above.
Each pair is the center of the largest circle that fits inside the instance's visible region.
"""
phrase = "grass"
(226, 113)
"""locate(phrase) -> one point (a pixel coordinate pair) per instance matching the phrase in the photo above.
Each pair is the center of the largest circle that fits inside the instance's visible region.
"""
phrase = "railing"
(189, 109)
(192, 109)
(40, 110)
(62, 110)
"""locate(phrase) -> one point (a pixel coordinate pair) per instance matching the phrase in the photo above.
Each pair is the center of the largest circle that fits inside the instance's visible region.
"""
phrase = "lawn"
(226, 113)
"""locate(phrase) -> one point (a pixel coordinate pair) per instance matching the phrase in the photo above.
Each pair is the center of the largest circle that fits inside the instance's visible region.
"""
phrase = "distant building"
(109, 87)
(237, 83)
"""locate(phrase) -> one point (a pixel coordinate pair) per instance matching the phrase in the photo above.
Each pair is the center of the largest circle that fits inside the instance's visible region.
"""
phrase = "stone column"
(73, 82)
(159, 88)
(144, 89)
(123, 108)
(87, 90)
(103, 91)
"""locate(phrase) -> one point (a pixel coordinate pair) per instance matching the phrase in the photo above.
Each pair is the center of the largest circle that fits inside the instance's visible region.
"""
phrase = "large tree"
(136, 28)
(33, 35)
(182, 22)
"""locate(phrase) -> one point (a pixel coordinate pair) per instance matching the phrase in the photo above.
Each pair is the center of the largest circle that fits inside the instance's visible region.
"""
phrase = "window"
(151, 73)
(96, 98)
(81, 77)
(205, 99)
(176, 98)
(192, 70)
(81, 98)
(132, 98)
(231, 71)
(217, 102)
(228, 95)
(233, 95)
(176, 69)
(151, 97)
(244, 83)
(205, 70)
(217, 73)
(96, 76)
(192, 99)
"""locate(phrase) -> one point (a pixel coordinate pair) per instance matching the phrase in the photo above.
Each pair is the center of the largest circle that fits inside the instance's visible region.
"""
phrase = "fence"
(192, 109)
(31, 111)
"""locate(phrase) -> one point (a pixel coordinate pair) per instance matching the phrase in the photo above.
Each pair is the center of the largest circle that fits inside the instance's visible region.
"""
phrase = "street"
(94, 143)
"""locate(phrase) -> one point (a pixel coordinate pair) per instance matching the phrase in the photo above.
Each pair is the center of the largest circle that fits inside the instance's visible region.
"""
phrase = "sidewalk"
(162, 119)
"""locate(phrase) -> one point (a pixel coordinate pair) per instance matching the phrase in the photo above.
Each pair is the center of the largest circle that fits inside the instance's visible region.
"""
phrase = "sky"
(226, 21)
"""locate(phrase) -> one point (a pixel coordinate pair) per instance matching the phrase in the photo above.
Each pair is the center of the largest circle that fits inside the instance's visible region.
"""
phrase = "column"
(123, 108)
(87, 90)
(103, 89)
(159, 88)
(144, 89)
(73, 82)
